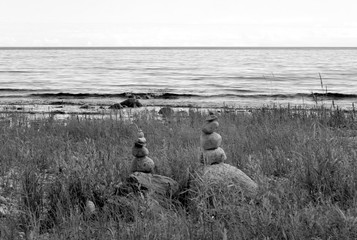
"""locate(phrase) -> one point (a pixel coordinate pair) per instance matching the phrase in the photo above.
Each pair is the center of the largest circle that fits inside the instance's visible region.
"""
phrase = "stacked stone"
(141, 163)
(211, 152)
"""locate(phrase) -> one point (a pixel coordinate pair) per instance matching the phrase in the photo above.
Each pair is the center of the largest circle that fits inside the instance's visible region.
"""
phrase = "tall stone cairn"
(211, 152)
(214, 171)
(141, 163)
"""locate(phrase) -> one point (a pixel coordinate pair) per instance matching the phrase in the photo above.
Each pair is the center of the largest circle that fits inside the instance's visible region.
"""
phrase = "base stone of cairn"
(214, 172)
(225, 174)
(157, 184)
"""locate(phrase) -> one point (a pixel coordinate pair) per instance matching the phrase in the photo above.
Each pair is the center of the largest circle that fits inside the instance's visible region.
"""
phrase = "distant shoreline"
(171, 47)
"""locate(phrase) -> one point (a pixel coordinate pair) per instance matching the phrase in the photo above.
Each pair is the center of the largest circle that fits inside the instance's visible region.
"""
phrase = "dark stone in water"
(131, 103)
(58, 112)
(60, 103)
(166, 111)
(84, 107)
(116, 106)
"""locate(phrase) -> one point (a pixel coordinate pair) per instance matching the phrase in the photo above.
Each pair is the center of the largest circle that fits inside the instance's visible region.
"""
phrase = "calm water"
(207, 76)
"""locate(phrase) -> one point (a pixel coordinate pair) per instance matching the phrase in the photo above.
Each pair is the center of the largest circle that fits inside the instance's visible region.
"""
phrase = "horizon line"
(174, 47)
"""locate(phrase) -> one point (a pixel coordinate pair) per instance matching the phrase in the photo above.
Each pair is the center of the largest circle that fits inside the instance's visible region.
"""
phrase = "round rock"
(140, 151)
(210, 127)
(215, 156)
(141, 134)
(143, 164)
(211, 118)
(131, 103)
(90, 206)
(141, 141)
(225, 174)
(210, 141)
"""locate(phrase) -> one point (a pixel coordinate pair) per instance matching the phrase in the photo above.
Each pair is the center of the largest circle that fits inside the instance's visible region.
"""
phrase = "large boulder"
(228, 175)
(131, 103)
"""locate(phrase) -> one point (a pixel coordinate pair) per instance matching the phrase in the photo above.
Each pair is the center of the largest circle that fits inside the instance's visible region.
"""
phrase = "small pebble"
(90, 206)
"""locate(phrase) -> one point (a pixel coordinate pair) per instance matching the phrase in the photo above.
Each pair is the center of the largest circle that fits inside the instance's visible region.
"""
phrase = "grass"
(304, 162)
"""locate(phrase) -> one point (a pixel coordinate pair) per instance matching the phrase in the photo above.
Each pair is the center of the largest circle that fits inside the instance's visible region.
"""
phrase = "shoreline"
(65, 108)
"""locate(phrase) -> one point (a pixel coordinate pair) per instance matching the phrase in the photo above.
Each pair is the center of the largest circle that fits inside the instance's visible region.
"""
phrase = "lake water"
(188, 76)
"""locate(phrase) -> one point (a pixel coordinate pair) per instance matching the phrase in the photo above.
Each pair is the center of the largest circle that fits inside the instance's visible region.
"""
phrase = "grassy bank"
(305, 163)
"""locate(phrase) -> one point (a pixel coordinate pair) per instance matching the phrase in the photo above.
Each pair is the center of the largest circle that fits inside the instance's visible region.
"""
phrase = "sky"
(137, 23)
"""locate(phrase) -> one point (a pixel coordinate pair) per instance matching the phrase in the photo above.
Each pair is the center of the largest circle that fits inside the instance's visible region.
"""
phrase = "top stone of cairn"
(211, 124)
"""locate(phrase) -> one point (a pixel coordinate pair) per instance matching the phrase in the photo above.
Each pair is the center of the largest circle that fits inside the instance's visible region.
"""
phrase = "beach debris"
(141, 162)
(210, 141)
(116, 106)
(131, 102)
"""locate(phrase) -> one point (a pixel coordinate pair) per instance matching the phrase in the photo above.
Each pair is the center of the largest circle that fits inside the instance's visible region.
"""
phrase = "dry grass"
(305, 163)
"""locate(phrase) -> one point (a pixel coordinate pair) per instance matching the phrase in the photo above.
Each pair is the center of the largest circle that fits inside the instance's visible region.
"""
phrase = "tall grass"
(303, 160)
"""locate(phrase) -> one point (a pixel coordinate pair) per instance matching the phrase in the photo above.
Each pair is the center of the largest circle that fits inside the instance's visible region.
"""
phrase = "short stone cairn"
(141, 163)
(142, 169)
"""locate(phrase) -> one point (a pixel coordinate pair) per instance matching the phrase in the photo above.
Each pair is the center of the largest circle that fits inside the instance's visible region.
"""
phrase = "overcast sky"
(178, 23)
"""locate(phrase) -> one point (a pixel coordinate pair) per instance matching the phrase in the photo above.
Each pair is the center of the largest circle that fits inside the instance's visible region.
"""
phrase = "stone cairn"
(154, 186)
(214, 170)
(211, 152)
(141, 163)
